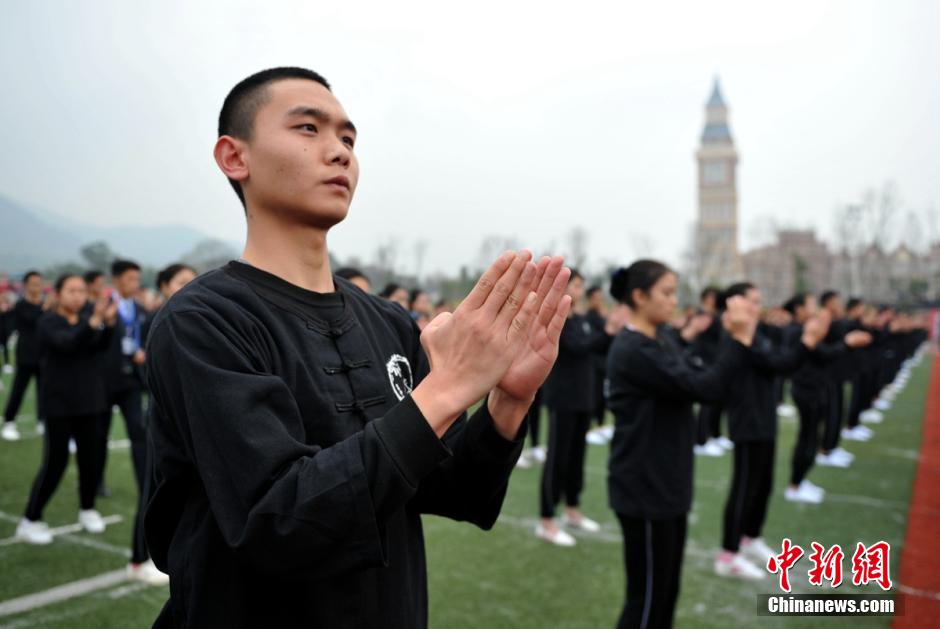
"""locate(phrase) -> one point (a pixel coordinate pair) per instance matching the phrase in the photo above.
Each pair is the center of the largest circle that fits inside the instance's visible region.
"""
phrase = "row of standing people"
(730, 357)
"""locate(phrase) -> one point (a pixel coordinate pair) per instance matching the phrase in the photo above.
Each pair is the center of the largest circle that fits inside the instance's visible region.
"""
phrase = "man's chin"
(321, 218)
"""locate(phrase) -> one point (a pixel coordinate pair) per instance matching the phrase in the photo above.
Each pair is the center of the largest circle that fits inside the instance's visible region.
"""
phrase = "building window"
(715, 172)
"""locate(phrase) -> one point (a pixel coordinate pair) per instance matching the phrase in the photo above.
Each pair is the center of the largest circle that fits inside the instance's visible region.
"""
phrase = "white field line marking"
(910, 591)
(62, 592)
(65, 532)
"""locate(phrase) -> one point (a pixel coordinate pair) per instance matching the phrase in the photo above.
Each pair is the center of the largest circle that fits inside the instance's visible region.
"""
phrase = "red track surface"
(920, 559)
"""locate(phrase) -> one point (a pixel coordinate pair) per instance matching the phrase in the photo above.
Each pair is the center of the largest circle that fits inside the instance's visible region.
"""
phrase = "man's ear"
(230, 155)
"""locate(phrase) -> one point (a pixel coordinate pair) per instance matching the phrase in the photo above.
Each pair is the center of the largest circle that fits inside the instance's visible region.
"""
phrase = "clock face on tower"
(715, 172)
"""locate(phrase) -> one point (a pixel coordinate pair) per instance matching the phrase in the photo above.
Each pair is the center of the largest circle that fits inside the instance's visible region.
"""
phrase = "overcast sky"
(481, 118)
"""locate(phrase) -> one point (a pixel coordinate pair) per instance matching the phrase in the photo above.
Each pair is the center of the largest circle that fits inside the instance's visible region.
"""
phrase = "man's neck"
(33, 298)
(644, 326)
(294, 253)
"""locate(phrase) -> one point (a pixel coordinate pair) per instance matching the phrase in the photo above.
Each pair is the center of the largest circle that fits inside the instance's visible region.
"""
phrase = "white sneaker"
(724, 442)
(538, 454)
(758, 550)
(72, 447)
(8, 369)
(812, 488)
(584, 523)
(558, 538)
(91, 521)
(842, 453)
(853, 434)
(872, 416)
(147, 573)
(607, 431)
(709, 449)
(786, 411)
(33, 532)
(10, 431)
(595, 438)
(523, 462)
(831, 460)
(865, 431)
(882, 404)
(40, 428)
(738, 567)
(801, 494)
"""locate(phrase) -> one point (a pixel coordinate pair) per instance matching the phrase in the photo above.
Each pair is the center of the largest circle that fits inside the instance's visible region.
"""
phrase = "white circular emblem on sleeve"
(399, 374)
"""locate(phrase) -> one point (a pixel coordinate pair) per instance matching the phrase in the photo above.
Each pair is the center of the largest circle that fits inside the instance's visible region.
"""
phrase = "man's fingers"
(505, 286)
(515, 301)
(555, 293)
(522, 322)
(558, 318)
(487, 281)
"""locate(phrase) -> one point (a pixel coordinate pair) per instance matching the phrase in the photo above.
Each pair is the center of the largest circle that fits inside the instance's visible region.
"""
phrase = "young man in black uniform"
(298, 426)
(26, 315)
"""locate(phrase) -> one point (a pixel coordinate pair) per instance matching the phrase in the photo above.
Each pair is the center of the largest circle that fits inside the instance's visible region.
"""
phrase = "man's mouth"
(342, 180)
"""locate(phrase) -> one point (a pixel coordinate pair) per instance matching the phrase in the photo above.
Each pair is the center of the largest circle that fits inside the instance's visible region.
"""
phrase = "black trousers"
(652, 552)
(833, 418)
(563, 472)
(130, 401)
(861, 396)
(55, 457)
(600, 403)
(812, 404)
(709, 422)
(24, 373)
(752, 481)
(535, 418)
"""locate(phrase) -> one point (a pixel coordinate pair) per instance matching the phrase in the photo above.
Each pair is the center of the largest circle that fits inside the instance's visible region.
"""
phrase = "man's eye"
(350, 142)
(312, 128)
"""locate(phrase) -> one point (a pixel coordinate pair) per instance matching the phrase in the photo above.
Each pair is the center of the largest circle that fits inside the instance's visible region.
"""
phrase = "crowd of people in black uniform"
(288, 428)
(670, 376)
(83, 344)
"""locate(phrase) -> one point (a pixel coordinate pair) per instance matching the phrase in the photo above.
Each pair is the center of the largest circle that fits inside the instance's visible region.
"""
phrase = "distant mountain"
(39, 238)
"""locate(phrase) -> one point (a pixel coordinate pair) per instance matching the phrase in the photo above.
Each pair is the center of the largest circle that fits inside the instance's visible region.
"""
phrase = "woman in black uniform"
(72, 394)
(652, 386)
(569, 395)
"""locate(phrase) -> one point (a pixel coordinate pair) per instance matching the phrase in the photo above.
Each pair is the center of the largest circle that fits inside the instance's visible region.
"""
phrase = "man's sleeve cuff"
(410, 441)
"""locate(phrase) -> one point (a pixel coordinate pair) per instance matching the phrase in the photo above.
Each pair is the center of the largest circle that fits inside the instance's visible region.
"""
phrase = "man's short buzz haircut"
(237, 117)
(120, 267)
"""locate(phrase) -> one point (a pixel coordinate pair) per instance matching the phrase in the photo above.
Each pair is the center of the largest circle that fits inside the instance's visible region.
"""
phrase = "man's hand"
(696, 325)
(471, 350)
(139, 357)
(857, 338)
(816, 328)
(618, 319)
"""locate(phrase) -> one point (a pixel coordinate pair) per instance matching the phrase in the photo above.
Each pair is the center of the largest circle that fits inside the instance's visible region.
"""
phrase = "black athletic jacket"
(752, 399)
(814, 374)
(71, 382)
(570, 385)
(26, 318)
(291, 462)
(652, 385)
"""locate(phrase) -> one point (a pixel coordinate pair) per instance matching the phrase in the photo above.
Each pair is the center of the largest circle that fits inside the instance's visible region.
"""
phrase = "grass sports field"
(505, 578)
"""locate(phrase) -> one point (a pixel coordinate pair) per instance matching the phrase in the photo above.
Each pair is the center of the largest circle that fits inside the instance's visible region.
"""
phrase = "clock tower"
(716, 231)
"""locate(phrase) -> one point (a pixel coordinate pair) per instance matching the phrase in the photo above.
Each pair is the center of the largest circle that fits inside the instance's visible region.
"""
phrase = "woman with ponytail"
(652, 387)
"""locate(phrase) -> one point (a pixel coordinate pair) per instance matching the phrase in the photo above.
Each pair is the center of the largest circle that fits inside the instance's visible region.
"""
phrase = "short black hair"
(92, 276)
(350, 273)
(30, 274)
(827, 296)
(735, 290)
(413, 296)
(575, 275)
(390, 288)
(797, 301)
(709, 291)
(641, 275)
(60, 282)
(166, 275)
(237, 117)
(854, 302)
(120, 267)
(593, 289)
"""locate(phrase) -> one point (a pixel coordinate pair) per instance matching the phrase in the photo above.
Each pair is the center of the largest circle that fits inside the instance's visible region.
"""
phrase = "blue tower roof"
(716, 100)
